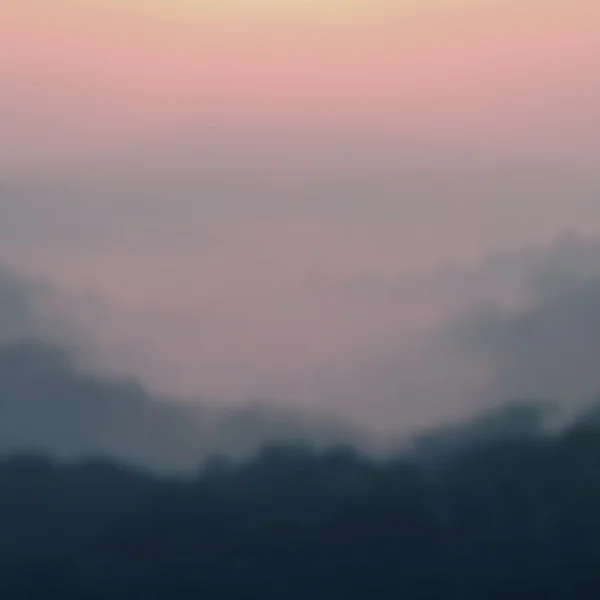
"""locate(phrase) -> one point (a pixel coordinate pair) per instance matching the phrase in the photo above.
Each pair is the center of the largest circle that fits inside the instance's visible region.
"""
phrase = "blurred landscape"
(108, 490)
(299, 299)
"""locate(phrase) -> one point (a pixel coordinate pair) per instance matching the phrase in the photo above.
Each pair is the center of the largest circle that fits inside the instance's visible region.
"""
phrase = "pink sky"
(248, 179)
(480, 75)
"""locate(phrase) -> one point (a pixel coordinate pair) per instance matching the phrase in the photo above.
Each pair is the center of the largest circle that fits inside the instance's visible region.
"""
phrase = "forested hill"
(517, 517)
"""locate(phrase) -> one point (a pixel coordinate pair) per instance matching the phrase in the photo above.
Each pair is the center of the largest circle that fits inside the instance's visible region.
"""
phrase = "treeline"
(514, 517)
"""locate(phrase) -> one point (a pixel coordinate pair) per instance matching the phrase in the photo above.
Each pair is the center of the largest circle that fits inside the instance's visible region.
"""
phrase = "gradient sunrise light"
(176, 65)
(260, 9)
(260, 176)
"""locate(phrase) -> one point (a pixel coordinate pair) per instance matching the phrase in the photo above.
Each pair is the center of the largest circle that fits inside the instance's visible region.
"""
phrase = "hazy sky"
(258, 191)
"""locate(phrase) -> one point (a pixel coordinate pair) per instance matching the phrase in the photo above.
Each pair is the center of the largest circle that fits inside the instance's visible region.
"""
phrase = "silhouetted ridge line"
(515, 518)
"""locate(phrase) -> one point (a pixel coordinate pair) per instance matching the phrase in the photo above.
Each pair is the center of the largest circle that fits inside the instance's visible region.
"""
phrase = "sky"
(250, 198)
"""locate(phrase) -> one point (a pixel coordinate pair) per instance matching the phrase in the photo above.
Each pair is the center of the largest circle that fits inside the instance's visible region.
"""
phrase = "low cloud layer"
(523, 327)
(550, 347)
(52, 401)
(237, 282)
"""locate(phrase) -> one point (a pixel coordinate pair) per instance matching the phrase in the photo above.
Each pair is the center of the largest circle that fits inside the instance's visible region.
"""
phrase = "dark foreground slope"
(512, 519)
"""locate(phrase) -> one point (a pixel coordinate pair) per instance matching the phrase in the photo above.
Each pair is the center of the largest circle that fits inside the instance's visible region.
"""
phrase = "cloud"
(549, 348)
(51, 401)
(523, 325)
(242, 278)
(15, 310)
(29, 308)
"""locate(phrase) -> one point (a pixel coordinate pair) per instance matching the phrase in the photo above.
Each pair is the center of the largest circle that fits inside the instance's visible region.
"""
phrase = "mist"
(59, 400)
(299, 302)
(519, 327)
